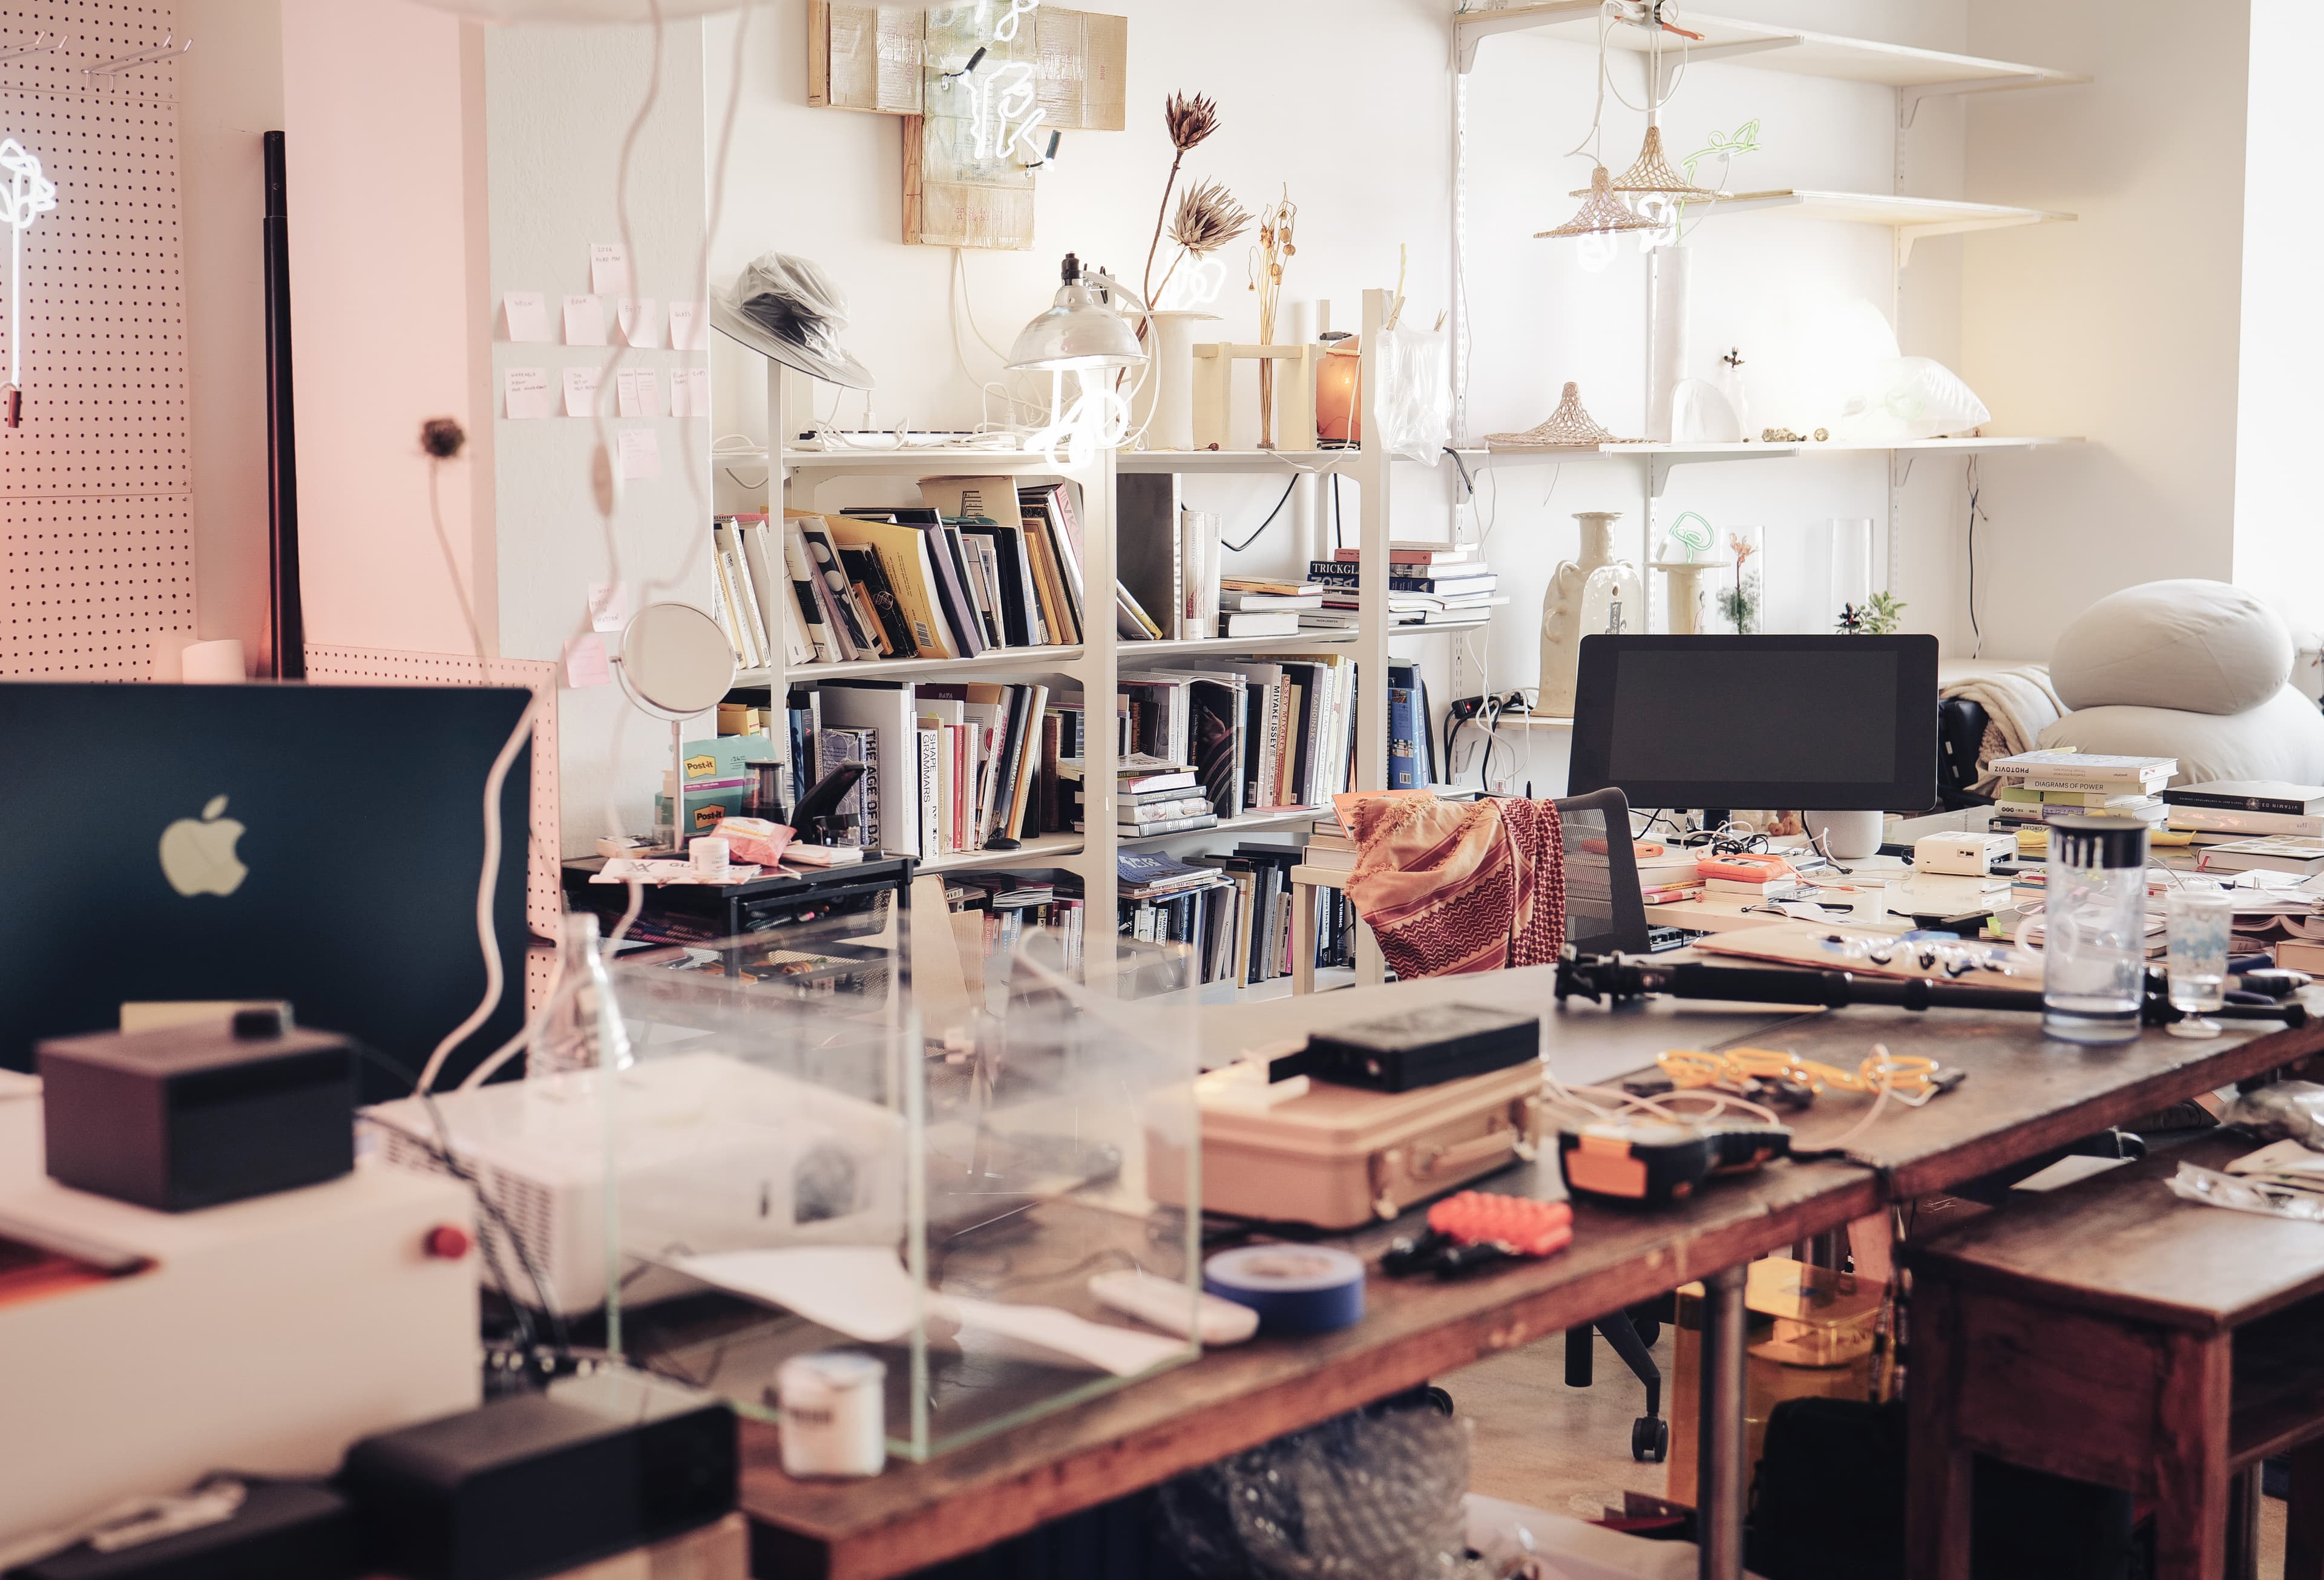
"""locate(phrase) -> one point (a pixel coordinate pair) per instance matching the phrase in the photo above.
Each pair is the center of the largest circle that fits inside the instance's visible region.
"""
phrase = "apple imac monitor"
(1838, 723)
(316, 844)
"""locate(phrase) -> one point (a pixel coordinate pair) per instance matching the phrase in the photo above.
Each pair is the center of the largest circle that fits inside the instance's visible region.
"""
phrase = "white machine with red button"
(140, 1350)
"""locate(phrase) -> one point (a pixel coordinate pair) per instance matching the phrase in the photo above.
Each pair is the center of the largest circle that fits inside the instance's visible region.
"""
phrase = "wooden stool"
(2112, 1333)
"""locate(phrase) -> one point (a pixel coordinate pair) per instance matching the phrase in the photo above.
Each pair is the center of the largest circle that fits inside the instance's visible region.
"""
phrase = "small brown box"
(192, 1116)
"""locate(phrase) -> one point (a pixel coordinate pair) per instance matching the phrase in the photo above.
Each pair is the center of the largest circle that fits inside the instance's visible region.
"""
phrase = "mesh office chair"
(1603, 914)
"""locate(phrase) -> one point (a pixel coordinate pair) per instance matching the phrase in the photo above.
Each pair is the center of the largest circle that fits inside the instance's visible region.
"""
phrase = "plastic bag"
(2290, 1110)
(1910, 398)
(1415, 394)
(1365, 1496)
(2213, 1188)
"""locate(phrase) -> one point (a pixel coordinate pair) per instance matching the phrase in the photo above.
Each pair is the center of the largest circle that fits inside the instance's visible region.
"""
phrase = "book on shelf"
(1148, 548)
(1406, 551)
(908, 555)
(1056, 506)
(1263, 622)
(1444, 580)
(856, 823)
(1267, 587)
(850, 623)
(1190, 824)
(725, 609)
(1130, 620)
(804, 591)
(1251, 602)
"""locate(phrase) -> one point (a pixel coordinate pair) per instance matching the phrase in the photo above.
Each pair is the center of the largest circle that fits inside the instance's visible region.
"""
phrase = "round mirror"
(676, 660)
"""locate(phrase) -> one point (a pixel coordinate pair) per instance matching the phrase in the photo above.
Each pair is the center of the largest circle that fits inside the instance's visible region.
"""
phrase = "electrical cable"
(1975, 489)
(452, 569)
(485, 935)
(1263, 526)
(441, 1151)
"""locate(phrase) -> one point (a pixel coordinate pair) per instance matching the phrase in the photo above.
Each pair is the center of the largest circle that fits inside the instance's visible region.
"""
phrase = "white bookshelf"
(798, 479)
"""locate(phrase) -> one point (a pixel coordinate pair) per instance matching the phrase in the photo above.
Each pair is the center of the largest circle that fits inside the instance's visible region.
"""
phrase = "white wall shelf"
(1287, 463)
(1919, 73)
(1912, 218)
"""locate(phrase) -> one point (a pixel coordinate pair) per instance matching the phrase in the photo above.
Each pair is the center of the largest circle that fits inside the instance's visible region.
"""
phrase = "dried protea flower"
(1190, 120)
(1208, 218)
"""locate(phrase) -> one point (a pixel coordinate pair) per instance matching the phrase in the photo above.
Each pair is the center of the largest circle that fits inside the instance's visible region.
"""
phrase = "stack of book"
(1008, 904)
(2037, 788)
(979, 565)
(2223, 811)
(1155, 797)
(1257, 736)
(747, 558)
(948, 766)
(1429, 584)
(1164, 900)
(1262, 606)
(1667, 873)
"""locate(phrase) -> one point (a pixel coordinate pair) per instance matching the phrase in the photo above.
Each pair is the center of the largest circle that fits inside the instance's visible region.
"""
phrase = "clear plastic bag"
(2286, 1110)
(1415, 394)
(1365, 1496)
(2213, 1188)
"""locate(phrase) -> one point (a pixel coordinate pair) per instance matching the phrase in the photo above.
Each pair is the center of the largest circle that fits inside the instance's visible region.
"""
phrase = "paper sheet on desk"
(864, 1292)
(662, 873)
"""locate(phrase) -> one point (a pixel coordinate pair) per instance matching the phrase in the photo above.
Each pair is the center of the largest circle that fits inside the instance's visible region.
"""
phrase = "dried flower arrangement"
(1275, 249)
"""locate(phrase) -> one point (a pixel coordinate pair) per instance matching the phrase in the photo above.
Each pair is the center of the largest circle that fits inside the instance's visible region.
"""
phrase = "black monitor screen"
(1832, 722)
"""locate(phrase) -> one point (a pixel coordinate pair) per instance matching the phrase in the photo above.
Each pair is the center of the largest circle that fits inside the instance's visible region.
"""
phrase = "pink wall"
(382, 108)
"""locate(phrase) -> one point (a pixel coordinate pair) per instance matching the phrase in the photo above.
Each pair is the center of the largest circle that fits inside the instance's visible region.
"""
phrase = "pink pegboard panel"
(544, 893)
(97, 544)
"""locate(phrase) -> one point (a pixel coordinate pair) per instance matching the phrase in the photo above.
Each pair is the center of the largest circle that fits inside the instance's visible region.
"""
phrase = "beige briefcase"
(1340, 1157)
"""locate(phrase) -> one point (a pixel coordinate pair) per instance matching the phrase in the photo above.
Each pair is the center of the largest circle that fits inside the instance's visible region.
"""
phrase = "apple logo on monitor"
(197, 856)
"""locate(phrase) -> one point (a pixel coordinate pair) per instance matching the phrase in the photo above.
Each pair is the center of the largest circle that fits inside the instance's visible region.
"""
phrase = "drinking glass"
(2201, 919)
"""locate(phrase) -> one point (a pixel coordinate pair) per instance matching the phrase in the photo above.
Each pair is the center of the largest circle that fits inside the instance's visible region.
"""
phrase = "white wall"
(2278, 397)
(229, 94)
(560, 102)
(2123, 327)
(383, 137)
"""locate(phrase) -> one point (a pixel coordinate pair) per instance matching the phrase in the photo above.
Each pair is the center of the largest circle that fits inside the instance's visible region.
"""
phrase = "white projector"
(711, 1154)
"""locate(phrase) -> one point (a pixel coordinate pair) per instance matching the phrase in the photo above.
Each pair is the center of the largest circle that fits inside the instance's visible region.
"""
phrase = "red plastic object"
(1529, 1227)
(448, 1241)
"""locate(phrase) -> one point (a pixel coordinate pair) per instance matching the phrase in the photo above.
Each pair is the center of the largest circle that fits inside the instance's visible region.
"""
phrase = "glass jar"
(2094, 929)
(2202, 918)
(582, 1028)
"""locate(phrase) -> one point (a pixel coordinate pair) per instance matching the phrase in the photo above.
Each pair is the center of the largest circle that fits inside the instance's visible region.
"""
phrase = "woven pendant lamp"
(1602, 213)
(1568, 427)
(1651, 174)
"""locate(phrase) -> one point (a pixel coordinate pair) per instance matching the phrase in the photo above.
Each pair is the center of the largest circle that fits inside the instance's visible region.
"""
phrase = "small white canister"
(834, 1414)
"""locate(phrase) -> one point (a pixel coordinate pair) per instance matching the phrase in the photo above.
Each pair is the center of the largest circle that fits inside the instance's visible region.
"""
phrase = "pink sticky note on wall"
(585, 663)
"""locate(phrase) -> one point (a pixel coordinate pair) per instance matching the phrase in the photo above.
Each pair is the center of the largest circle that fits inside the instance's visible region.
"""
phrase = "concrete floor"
(1568, 1449)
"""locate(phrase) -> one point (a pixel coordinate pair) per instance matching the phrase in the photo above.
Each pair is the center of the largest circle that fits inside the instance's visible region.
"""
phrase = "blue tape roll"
(1294, 1289)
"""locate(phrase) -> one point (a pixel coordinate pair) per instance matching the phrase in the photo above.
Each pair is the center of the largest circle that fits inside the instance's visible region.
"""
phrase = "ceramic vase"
(1592, 595)
(1667, 292)
(1686, 592)
(1170, 398)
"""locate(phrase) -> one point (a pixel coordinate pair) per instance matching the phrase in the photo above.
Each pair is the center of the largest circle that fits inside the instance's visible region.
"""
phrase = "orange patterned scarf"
(1452, 886)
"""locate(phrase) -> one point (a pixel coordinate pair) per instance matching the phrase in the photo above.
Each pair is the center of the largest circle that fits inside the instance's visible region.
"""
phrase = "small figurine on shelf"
(1880, 615)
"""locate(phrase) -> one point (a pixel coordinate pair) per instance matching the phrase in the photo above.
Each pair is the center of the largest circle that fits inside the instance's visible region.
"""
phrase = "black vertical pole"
(288, 626)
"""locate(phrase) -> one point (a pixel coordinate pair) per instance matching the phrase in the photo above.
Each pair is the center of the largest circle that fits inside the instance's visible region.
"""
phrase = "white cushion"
(2282, 738)
(2200, 647)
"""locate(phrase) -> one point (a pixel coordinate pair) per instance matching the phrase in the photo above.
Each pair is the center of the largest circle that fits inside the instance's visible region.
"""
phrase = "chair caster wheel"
(1650, 1439)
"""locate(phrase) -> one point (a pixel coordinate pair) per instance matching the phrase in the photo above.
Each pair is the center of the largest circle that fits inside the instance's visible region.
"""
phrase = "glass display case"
(796, 1164)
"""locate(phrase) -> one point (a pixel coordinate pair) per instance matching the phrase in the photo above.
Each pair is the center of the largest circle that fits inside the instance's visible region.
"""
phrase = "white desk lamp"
(674, 664)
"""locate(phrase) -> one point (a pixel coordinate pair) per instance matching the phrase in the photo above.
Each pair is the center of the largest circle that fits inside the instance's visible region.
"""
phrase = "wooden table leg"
(2191, 1458)
(2303, 1532)
(1721, 1474)
(1938, 1487)
(2243, 1524)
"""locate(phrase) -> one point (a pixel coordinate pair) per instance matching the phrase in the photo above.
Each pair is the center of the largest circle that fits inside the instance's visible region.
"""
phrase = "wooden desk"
(2110, 1332)
(2025, 1094)
(1235, 1399)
